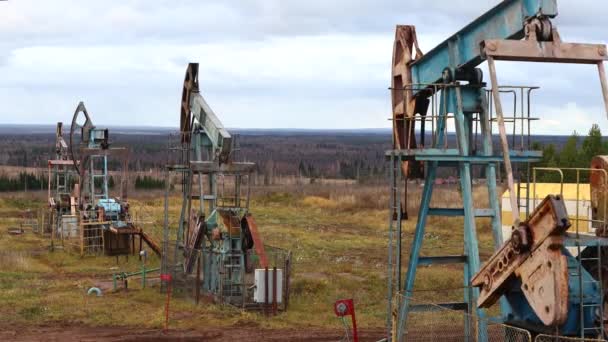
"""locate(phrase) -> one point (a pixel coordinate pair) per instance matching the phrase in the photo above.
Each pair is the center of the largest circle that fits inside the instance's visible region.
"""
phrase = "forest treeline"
(22, 182)
(577, 152)
(280, 155)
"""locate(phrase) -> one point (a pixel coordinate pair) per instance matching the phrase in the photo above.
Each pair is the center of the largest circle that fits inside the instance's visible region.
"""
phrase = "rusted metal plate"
(196, 237)
(544, 277)
(258, 244)
(554, 52)
(151, 243)
(232, 223)
(403, 48)
(599, 192)
(190, 86)
(405, 105)
(534, 255)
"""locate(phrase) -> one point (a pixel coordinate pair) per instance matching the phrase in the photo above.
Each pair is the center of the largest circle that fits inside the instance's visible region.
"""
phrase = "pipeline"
(95, 290)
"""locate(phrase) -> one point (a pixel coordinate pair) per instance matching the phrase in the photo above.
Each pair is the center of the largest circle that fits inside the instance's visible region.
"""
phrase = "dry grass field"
(337, 233)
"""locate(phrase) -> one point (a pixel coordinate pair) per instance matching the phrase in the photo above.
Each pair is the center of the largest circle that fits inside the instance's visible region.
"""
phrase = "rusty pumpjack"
(443, 84)
(217, 235)
(105, 222)
(61, 199)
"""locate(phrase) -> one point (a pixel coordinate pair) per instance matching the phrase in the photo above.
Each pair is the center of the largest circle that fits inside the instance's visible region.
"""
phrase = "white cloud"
(333, 76)
(264, 63)
(565, 118)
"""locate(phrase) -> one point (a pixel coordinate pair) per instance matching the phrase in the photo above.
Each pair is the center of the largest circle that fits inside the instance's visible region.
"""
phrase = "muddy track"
(61, 332)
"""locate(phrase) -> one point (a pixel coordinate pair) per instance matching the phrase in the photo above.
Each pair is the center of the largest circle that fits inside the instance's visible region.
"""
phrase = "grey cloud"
(129, 21)
(145, 90)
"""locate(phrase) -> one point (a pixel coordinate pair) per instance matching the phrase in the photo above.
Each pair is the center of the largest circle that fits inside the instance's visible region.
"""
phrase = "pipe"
(95, 290)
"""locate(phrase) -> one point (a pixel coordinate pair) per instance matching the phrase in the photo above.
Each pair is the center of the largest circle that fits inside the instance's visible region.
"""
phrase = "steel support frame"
(461, 50)
(452, 102)
(493, 36)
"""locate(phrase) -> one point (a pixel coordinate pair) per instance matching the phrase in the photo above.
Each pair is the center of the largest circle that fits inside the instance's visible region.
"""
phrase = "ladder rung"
(460, 212)
(437, 307)
(205, 197)
(441, 260)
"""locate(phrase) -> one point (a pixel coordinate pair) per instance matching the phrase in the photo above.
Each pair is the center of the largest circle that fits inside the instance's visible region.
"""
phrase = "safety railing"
(550, 338)
(433, 322)
(582, 217)
(518, 119)
(217, 277)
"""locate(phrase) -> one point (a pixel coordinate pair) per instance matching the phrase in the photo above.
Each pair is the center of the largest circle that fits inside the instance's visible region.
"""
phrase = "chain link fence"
(433, 322)
(227, 286)
(550, 338)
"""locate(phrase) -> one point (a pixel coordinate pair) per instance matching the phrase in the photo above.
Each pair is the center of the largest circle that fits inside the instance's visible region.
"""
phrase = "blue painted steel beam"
(439, 307)
(460, 212)
(454, 155)
(505, 21)
(584, 240)
(479, 159)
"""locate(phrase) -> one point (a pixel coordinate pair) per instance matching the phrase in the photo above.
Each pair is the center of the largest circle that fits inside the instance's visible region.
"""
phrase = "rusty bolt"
(487, 282)
(601, 51)
(491, 46)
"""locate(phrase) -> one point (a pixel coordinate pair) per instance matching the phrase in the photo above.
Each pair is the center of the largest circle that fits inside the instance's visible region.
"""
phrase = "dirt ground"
(81, 333)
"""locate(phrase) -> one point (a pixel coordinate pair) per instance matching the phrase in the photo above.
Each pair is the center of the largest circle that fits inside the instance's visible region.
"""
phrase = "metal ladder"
(234, 269)
(102, 174)
(596, 304)
(523, 191)
(394, 237)
(61, 182)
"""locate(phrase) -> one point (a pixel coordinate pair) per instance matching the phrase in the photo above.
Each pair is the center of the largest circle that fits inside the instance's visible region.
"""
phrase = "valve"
(346, 307)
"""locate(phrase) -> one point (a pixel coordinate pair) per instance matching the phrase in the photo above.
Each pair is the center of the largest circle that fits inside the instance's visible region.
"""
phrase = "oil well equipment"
(61, 215)
(85, 215)
(215, 250)
(539, 283)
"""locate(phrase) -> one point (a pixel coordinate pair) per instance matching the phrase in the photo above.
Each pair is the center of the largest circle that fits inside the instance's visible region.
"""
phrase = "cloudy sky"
(263, 63)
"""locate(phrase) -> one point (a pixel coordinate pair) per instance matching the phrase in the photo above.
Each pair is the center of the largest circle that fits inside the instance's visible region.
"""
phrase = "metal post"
(274, 290)
(390, 245)
(198, 277)
(602, 72)
(287, 279)
(398, 220)
(503, 139)
(165, 255)
(143, 275)
(266, 290)
(493, 199)
(470, 238)
(105, 176)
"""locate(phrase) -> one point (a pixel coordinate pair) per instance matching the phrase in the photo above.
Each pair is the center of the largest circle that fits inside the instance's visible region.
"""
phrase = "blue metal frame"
(439, 70)
(452, 102)
(462, 50)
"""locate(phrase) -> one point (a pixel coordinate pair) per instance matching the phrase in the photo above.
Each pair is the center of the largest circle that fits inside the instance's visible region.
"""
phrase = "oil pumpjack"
(540, 285)
(217, 239)
(79, 195)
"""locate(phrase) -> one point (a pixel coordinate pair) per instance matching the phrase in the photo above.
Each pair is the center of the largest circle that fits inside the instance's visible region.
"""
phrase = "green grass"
(339, 251)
